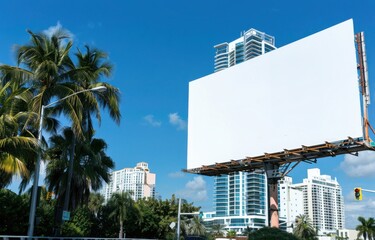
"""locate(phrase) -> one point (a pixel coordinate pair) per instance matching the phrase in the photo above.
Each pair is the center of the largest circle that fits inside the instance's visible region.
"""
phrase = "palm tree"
(96, 201)
(91, 167)
(121, 202)
(43, 67)
(91, 67)
(15, 150)
(86, 75)
(231, 234)
(18, 145)
(194, 227)
(366, 228)
(304, 228)
(45, 63)
(218, 230)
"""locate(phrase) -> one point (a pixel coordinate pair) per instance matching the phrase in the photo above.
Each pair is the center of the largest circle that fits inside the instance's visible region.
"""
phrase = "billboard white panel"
(304, 93)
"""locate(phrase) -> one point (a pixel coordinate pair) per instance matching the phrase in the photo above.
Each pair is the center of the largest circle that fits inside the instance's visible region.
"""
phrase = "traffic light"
(200, 215)
(358, 193)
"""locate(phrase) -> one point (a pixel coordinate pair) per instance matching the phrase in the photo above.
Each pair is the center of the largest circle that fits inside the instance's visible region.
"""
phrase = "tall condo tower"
(138, 181)
(240, 199)
(252, 43)
(323, 201)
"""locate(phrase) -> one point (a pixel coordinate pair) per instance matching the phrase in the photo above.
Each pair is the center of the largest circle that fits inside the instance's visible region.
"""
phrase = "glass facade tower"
(252, 43)
(240, 199)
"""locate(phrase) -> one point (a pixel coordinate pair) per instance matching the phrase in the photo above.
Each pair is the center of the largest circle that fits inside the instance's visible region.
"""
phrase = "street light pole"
(178, 219)
(37, 165)
(36, 178)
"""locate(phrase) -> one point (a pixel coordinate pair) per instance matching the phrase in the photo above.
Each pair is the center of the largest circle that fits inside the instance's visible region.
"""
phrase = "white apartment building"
(323, 201)
(138, 180)
(290, 202)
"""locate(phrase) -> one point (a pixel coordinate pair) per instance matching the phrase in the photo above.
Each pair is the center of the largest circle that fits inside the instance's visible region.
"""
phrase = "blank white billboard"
(304, 93)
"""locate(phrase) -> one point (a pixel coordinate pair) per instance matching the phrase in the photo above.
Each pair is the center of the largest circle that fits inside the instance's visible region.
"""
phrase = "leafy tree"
(45, 213)
(81, 223)
(13, 213)
(268, 233)
(366, 228)
(105, 227)
(155, 217)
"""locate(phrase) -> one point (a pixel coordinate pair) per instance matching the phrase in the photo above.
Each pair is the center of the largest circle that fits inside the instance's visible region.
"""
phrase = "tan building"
(138, 180)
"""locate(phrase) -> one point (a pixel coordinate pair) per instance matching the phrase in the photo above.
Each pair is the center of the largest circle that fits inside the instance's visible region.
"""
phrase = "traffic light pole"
(367, 190)
(358, 193)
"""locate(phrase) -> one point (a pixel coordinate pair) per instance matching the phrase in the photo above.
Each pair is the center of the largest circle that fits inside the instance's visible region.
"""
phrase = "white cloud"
(361, 166)
(176, 120)
(195, 190)
(176, 175)
(149, 119)
(52, 29)
(354, 209)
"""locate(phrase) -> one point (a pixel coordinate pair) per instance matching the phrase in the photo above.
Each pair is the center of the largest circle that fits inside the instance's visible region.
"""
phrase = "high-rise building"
(290, 202)
(323, 201)
(240, 199)
(252, 43)
(138, 181)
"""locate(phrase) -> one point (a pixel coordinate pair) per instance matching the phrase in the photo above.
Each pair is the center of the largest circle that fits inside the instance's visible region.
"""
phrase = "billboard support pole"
(363, 76)
(273, 176)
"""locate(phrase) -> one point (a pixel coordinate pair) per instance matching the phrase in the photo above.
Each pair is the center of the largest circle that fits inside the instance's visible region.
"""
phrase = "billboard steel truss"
(286, 159)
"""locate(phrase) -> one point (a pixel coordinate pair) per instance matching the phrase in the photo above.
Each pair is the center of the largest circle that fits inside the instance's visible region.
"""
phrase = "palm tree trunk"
(121, 233)
(70, 174)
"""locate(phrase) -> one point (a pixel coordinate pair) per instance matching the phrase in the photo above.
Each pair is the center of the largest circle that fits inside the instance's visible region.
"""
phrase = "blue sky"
(157, 47)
